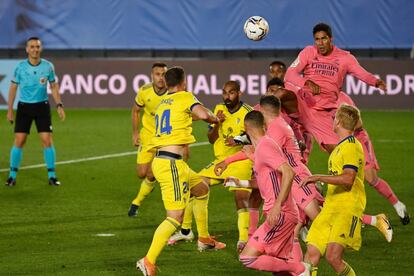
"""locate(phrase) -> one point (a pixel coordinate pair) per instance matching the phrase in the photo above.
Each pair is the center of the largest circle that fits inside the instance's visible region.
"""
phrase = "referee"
(32, 75)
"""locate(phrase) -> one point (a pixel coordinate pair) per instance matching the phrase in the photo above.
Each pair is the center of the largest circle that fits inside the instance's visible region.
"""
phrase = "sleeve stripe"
(193, 105)
(138, 104)
(350, 167)
(14, 82)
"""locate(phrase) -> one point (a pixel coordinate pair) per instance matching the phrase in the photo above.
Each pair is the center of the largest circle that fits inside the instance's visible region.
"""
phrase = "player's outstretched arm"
(202, 113)
(346, 179)
(12, 97)
(56, 96)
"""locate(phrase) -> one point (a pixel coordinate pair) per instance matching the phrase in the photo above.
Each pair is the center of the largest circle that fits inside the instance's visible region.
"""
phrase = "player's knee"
(242, 199)
(333, 258)
(20, 142)
(47, 142)
(141, 171)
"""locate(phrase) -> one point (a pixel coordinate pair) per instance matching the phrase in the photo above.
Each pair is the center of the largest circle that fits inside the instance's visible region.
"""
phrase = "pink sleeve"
(356, 70)
(297, 130)
(271, 154)
(236, 157)
(294, 72)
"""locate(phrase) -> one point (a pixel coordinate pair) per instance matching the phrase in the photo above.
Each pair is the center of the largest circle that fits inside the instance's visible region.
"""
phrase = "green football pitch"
(47, 230)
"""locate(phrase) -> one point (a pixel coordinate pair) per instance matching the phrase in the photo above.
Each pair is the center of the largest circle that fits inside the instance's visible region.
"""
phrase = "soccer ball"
(256, 28)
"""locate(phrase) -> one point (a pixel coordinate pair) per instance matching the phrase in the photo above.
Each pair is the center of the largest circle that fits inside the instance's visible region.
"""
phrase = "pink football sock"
(254, 220)
(385, 190)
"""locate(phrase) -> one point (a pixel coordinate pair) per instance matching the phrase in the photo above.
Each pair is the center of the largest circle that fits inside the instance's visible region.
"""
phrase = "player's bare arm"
(213, 132)
(346, 179)
(54, 86)
(12, 97)
(135, 117)
(202, 113)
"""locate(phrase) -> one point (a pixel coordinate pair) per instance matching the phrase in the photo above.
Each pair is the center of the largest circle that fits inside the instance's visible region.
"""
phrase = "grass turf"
(48, 230)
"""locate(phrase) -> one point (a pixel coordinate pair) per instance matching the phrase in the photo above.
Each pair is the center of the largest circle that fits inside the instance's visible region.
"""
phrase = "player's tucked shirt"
(149, 100)
(347, 154)
(268, 158)
(326, 71)
(32, 80)
(173, 120)
(232, 126)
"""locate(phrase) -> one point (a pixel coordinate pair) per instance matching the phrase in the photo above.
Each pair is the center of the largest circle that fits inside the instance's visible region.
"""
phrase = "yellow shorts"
(176, 179)
(145, 154)
(338, 227)
(240, 169)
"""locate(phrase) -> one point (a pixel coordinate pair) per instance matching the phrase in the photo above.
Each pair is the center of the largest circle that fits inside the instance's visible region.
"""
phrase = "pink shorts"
(304, 195)
(319, 123)
(275, 240)
(369, 153)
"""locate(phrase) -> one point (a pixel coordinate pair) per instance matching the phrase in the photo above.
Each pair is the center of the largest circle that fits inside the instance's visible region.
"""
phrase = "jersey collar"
(241, 104)
(28, 61)
(345, 139)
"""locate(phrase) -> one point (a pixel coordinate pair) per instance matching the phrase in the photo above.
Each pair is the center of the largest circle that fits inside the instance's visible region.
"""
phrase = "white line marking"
(105, 235)
(92, 158)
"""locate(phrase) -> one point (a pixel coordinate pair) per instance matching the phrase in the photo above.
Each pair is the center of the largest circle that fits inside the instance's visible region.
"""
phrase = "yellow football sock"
(200, 210)
(314, 271)
(348, 271)
(145, 189)
(243, 224)
(188, 215)
(161, 236)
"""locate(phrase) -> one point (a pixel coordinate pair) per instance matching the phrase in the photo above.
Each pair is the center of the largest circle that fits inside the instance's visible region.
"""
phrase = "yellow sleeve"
(351, 156)
(190, 101)
(139, 99)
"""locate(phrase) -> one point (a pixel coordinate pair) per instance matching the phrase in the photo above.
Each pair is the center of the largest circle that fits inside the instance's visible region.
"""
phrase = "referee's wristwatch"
(59, 105)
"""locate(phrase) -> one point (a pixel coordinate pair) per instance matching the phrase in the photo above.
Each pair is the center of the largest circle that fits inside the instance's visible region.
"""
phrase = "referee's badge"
(42, 81)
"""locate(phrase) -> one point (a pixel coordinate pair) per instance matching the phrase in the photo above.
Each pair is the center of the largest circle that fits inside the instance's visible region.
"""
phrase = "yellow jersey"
(232, 126)
(173, 120)
(347, 154)
(148, 100)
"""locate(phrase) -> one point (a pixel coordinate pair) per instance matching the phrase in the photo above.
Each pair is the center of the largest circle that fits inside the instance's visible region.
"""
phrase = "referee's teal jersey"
(32, 80)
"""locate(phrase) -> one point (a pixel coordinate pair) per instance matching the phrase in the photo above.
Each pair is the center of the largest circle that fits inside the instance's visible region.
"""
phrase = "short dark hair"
(280, 63)
(275, 81)
(32, 38)
(271, 101)
(322, 27)
(174, 76)
(255, 117)
(235, 83)
(158, 64)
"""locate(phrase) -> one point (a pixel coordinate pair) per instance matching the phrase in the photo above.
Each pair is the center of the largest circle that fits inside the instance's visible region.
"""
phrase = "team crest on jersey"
(42, 81)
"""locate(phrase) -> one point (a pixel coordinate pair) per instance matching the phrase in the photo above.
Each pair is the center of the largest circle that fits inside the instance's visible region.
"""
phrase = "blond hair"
(348, 116)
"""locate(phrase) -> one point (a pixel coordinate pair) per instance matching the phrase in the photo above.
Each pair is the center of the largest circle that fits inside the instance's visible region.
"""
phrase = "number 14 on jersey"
(163, 125)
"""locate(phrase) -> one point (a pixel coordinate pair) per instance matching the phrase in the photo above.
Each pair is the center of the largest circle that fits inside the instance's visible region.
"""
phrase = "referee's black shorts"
(39, 112)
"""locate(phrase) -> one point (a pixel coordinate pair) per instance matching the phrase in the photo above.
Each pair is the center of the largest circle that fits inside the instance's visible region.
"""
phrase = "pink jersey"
(326, 71)
(283, 135)
(268, 158)
(343, 98)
